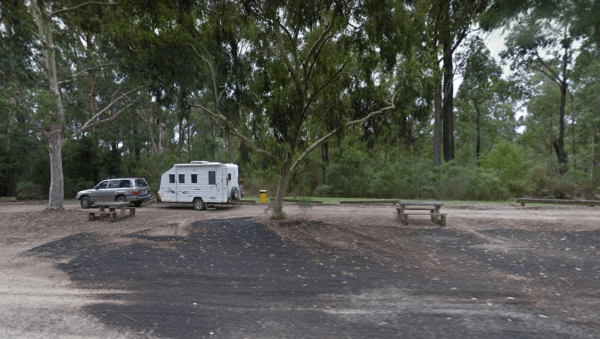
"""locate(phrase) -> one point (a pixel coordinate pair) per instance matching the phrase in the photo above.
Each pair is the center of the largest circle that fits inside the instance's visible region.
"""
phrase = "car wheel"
(121, 198)
(86, 202)
(234, 194)
(137, 204)
(198, 204)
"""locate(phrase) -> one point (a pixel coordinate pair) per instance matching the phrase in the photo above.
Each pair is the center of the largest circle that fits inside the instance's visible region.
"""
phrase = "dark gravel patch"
(235, 279)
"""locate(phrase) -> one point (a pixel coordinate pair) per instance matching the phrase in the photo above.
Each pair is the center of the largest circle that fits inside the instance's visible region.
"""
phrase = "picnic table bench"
(112, 206)
(406, 208)
(590, 203)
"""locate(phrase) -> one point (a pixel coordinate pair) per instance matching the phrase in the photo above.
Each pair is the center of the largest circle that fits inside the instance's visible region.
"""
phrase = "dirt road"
(331, 271)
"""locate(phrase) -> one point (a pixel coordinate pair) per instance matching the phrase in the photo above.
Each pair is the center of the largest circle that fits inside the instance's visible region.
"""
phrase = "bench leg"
(113, 216)
(92, 216)
(404, 219)
(442, 220)
(132, 212)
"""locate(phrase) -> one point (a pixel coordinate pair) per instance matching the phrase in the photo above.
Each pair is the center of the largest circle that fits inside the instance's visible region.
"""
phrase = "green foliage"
(374, 49)
(513, 165)
(27, 190)
(79, 165)
(348, 176)
(414, 178)
(470, 183)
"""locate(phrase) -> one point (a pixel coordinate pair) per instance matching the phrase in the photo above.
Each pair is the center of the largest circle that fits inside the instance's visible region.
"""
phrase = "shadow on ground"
(235, 279)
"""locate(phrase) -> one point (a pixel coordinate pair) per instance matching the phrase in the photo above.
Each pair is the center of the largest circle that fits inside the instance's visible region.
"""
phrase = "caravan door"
(213, 188)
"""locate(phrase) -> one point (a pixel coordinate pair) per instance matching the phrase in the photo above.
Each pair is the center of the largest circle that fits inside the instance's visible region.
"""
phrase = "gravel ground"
(330, 271)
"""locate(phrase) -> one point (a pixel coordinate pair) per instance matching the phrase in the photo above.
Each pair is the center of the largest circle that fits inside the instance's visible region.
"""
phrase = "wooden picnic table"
(112, 209)
(406, 207)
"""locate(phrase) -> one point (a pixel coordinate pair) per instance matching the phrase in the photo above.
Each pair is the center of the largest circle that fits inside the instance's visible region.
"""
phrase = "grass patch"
(327, 200)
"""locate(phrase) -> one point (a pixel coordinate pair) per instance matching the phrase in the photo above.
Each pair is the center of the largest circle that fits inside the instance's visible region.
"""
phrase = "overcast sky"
(495, 43)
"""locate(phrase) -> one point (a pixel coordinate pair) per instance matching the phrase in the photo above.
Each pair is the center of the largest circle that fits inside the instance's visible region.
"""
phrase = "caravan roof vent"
(199, 162)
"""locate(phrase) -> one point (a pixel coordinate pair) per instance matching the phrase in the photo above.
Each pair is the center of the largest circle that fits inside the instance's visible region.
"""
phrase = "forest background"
(343, 98)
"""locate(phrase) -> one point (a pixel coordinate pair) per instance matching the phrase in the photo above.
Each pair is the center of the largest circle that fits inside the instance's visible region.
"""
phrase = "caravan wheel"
(234, 194)
(198, 204)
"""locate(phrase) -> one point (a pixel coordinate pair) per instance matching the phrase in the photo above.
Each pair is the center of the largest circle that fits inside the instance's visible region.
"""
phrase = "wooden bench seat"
(416, 208)
(438, 218)
(413, 208)
(113, 215)
(590, 203)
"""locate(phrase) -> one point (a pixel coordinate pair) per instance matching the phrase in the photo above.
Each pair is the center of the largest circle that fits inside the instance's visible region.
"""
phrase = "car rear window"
(141, 182)
(125, 183)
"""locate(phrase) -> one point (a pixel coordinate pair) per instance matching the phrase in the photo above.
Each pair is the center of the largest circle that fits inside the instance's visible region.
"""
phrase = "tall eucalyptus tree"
(480, 73)
(450, 23)
(541, 42)
(49, 116)
(304, 48)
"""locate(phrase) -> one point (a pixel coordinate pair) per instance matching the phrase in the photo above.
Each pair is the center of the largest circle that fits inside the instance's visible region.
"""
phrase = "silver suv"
(134, 190)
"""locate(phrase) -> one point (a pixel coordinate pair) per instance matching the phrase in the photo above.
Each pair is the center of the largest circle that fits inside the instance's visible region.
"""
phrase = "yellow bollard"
(263, 196)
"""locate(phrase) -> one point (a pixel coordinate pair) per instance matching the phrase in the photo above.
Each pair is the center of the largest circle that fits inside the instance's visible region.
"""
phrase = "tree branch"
(462, 33)
(112, 117)
(293, 71)
(323, 35)
(234, 131)
(81, 5)
(82, 71)
(348, 124)
(375, 113)
(91, 123)
(330, 81)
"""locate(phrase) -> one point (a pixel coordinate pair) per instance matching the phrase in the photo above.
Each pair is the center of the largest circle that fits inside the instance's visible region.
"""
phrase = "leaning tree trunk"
(56, 193)
(282, 187)
(54, 139)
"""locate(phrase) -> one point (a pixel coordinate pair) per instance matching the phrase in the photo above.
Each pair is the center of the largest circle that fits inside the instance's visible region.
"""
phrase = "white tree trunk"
(54, 139)
(282, 186)
(57, 192)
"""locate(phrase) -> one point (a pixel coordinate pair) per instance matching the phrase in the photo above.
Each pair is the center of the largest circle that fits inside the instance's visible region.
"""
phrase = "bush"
(513, 165)
(349, 176)
(73, 186)
(27, 190)
(571, 185)
(470, 183)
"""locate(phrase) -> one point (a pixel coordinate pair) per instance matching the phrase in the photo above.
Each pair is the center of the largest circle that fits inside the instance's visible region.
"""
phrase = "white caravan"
(201, 182)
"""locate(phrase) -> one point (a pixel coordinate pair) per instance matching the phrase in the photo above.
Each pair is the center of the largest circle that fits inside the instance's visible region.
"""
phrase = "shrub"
(349, 176)
(470, 183)
(513, 165)
(27, 190)
(73, 186)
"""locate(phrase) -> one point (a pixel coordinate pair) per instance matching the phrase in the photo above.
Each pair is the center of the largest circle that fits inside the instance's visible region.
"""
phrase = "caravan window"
(212, 178)
(182, 178)
(228, 176)
(194, 178)
(171, 178)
